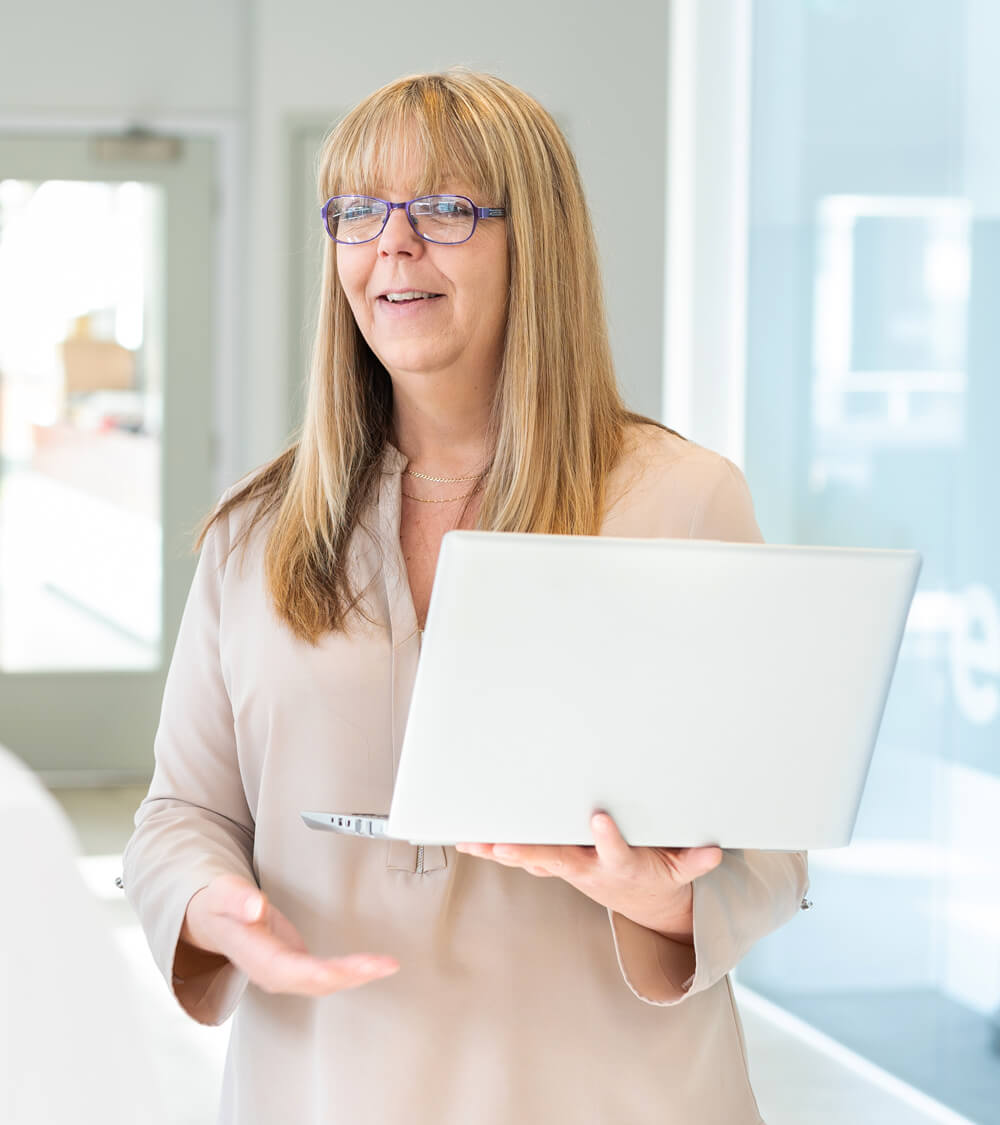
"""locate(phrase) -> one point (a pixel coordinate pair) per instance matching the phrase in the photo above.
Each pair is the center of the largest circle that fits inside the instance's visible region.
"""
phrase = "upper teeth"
(410, 295)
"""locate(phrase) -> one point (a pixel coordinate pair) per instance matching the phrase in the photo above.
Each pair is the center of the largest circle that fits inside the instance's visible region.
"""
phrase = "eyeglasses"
(447, 219)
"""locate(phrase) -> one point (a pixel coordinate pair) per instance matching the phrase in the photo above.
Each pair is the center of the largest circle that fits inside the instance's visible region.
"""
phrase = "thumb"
(699, 861)
(252, 907)
(238, 898)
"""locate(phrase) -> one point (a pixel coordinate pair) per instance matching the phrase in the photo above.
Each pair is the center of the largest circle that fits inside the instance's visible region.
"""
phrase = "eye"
(354, 218)
(457, 208)
(358, 211)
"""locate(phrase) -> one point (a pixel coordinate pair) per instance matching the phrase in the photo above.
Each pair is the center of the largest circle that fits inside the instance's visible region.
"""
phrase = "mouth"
(407, 296)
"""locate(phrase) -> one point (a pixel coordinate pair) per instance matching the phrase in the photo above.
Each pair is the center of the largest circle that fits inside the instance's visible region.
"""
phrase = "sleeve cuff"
(209, 996)
(656, 969)
(746, 897)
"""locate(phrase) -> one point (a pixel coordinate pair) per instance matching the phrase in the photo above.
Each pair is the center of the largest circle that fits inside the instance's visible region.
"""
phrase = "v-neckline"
(403, 623)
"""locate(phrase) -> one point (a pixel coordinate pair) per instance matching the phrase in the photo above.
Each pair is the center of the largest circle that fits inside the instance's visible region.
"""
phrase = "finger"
(568, 862)
(699, 861)
(507, 854)
(351, 972)
(504, 854)
(288, 971)
(612, 847)
(538, 869)
(278, 962)
(687, 864)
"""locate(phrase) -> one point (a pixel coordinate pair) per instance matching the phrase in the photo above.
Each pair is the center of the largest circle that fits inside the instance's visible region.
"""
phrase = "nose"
(398, 237)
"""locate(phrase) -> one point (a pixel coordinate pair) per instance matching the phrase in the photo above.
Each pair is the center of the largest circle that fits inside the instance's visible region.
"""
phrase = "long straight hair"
(557, 423)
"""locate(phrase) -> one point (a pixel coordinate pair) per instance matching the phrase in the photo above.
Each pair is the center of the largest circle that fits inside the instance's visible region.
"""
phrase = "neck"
(443, 434)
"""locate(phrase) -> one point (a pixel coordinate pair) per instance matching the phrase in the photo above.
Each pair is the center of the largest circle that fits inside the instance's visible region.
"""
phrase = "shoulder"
(677, 487)
(235, 516)
(248, 504)
(659, 461)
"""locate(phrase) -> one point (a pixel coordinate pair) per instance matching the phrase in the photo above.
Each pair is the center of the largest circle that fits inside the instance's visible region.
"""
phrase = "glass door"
(105, 436)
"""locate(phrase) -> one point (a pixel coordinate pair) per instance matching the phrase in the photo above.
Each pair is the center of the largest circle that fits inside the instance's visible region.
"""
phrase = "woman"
(461, 377)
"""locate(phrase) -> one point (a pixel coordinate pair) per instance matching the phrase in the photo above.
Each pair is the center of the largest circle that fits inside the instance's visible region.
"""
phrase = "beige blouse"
(519, 999)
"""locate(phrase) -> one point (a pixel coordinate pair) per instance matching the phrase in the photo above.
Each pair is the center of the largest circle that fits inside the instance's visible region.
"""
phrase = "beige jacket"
(519, 1000)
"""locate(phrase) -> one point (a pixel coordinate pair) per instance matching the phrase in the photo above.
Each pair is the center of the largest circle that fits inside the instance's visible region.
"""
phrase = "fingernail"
(252, 909)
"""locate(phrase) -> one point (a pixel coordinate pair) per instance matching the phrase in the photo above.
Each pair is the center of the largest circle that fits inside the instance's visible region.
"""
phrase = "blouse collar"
(393, 461)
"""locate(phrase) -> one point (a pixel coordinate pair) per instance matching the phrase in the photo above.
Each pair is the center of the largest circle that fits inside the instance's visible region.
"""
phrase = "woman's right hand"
(231, 919)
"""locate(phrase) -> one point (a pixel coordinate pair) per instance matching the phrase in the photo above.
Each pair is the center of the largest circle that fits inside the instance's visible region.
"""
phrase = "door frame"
(227, 358)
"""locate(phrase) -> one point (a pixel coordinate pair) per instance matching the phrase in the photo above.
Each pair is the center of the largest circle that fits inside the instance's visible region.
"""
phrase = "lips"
(410, 312)
(401, 296)
(410, 300)
(385, 303)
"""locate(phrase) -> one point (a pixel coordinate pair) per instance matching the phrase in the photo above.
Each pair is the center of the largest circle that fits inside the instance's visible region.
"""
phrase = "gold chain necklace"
(446, 500)
(440, 480)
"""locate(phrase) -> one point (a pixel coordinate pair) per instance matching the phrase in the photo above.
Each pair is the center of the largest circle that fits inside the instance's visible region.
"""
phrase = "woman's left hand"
(652, 886)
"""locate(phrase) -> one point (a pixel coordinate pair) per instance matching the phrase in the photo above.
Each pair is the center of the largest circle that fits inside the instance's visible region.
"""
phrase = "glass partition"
(873, 411)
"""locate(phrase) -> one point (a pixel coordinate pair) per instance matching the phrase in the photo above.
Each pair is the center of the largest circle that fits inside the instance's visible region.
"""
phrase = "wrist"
(677, 922)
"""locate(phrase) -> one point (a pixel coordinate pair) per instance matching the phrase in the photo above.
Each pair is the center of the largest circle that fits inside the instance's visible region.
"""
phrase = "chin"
(411, 361)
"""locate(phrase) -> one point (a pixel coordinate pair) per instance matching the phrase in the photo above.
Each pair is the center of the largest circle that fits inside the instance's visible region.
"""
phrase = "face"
(457, 334)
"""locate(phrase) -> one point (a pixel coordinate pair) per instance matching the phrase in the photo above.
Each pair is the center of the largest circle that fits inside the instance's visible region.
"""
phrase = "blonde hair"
(557, 422)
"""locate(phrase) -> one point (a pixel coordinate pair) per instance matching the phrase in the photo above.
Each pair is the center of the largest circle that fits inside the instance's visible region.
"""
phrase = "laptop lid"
(700, 691)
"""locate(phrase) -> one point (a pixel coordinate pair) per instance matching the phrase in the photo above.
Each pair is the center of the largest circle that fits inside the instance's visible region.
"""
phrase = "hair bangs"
(415, 129)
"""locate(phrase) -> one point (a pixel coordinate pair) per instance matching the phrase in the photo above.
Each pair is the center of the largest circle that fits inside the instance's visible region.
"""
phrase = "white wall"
(253, 67)
(108, 56)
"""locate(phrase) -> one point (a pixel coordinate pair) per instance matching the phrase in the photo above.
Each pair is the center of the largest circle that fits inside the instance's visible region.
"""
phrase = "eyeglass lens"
(439, 218)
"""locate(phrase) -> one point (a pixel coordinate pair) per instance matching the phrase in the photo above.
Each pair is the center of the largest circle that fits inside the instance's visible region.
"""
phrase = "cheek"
(489, 280)
(353, 273)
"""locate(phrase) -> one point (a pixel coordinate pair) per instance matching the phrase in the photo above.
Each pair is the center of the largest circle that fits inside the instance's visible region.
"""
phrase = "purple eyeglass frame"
(477, 214)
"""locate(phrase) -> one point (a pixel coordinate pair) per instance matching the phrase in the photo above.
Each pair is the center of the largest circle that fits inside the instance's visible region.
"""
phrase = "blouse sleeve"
(750, 893)
(194, 824)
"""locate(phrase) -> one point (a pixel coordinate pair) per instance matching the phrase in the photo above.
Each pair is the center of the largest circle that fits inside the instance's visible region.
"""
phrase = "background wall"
(64, 59)
(255, 69)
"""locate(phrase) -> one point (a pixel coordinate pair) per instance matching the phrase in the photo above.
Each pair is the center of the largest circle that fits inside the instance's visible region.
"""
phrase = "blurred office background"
(809, 287)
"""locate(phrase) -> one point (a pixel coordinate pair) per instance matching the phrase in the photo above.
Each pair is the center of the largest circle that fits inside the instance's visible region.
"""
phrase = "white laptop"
(701, 692)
